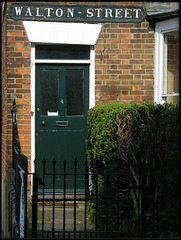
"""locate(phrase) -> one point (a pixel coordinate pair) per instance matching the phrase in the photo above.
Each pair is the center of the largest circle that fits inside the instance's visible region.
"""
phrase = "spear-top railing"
(19, 164)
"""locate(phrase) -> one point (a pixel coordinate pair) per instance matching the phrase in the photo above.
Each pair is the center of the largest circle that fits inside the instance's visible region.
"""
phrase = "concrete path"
(58, 218)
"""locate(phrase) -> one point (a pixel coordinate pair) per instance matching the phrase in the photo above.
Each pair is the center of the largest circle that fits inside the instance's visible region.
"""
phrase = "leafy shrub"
(102, 141)
(129, 138)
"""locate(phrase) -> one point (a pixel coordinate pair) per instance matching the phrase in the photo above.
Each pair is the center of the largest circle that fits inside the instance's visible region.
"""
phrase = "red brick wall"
(124, 73)
(18, 74)
(3, 93)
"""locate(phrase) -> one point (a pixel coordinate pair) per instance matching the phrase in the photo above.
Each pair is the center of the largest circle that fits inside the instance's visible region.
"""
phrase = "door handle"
(43, 123)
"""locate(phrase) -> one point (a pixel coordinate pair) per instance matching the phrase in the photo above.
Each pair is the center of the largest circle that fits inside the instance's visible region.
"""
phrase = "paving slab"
(58, 218)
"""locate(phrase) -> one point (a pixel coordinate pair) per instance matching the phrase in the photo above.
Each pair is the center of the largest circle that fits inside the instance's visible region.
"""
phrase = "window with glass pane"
(49, 89)
(74, 91)
(62, 52)
(171, 67)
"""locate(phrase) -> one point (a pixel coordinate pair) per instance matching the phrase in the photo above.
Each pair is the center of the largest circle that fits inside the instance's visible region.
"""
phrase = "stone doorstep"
(60, 203)
(67, 196)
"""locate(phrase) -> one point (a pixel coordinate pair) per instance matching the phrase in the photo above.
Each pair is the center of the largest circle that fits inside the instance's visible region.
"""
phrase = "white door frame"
(83, 34)
(91, 63)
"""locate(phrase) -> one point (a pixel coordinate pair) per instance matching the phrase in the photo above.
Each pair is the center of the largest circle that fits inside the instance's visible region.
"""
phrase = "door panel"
(74, 91)
(49, 91)
(61, 104)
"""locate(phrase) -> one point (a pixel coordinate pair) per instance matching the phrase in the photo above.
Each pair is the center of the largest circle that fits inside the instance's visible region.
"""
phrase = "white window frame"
(162, 28)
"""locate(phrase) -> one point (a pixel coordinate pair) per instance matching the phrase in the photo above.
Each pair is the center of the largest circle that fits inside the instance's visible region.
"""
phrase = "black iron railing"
(113, 213)
(110, 204)
(19, 164)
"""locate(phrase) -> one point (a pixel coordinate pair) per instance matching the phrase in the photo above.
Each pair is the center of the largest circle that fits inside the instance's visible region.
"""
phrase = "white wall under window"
(162, 93)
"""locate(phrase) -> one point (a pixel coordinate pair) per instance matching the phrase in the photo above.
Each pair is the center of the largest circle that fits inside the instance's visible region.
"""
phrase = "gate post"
(25, 199)
(34, 205)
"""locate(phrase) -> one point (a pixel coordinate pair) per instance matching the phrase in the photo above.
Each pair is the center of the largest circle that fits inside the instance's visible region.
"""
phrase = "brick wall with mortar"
(18, 75)
(124, 70)
(3, 92)
(4, 167)
(125, 63)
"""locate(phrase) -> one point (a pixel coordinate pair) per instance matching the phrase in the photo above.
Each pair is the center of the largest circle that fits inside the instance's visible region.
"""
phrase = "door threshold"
(61, 192)
(61, 196)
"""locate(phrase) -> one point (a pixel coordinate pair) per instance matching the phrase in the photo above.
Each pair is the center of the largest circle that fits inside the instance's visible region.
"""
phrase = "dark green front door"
(61, 104)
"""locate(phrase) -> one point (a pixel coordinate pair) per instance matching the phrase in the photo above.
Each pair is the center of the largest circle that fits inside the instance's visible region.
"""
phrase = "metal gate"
(112, 216)
(17, 196)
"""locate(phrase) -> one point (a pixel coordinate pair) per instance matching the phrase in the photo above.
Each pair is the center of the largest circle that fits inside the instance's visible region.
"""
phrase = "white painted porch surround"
(60, 33)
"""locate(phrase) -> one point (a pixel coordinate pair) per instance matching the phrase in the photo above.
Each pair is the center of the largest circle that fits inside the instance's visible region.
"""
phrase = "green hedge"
(125, 137)
(102, 141)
